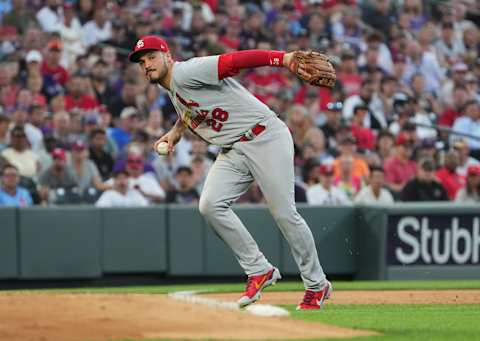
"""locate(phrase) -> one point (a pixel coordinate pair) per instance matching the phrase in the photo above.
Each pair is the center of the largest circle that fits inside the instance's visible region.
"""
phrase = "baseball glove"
(314, 68)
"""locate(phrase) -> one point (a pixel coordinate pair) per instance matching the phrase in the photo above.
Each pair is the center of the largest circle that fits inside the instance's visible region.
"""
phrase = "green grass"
(394, 322)
(402, 322)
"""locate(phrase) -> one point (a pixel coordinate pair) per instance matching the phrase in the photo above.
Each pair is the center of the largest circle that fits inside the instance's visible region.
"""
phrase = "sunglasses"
(19, 135)
(135, 161)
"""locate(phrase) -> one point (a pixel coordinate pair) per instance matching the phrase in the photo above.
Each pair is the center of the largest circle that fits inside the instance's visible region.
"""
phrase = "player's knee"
(286, 218)
(206, 206)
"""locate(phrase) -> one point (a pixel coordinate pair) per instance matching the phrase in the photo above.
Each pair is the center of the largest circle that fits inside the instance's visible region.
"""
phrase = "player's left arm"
(230, 64)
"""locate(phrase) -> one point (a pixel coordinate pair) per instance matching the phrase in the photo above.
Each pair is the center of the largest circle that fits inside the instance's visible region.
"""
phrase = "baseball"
(162, 148)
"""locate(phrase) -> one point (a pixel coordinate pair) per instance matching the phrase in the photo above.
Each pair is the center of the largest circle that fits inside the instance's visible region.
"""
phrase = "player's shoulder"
(196, 71)
(194, 62)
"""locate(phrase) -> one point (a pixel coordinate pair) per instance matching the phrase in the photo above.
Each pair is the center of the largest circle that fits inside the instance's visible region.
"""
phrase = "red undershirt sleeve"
(230, 64)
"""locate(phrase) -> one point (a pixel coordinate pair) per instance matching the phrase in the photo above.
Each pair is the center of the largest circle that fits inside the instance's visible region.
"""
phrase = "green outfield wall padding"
(332, 229)
(8, 243)
(219, 257)
(186, 241)
(59, 242)
(370, 235)
(134, 240)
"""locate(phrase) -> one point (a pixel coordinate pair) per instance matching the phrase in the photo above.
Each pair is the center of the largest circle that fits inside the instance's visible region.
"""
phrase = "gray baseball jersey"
(219, 111)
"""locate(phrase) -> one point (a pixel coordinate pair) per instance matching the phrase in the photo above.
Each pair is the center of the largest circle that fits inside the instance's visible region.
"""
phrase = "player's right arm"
(173, 136)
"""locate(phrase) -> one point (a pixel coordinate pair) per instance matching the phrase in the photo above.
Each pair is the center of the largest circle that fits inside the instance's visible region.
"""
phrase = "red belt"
(252, 133)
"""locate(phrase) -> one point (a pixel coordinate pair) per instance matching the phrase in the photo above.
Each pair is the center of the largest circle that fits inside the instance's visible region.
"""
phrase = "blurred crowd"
(77, 121)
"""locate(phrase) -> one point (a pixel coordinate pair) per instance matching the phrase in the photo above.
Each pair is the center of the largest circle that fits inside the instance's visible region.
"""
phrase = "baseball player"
(256, 145)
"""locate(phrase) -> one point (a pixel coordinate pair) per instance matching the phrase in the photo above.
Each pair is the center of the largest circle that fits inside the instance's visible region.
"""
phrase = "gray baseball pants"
(267, 159)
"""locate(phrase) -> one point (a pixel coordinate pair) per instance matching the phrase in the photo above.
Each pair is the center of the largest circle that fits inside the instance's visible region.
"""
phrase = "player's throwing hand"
(172, 138)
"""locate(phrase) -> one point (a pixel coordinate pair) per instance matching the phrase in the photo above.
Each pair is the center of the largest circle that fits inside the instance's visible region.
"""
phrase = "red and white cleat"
(255, 285)
(315, 299)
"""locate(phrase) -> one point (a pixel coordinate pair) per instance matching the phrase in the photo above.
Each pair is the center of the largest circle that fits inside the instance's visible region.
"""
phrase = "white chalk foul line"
(254, 309)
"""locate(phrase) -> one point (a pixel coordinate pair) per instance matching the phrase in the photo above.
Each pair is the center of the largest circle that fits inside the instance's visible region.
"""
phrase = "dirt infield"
(95, 317)
(100, 317)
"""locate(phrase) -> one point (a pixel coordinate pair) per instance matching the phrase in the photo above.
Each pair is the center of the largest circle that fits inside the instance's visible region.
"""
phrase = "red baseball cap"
(473, 170)
(58, 153)
(147, 43)
(55, 44)
(326, 169)
(403, 139)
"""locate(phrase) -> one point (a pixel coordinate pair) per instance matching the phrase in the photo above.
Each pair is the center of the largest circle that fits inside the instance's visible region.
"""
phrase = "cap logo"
(140, 44)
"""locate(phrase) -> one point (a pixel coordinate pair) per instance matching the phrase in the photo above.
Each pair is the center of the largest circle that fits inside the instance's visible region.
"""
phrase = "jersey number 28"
(218, 116)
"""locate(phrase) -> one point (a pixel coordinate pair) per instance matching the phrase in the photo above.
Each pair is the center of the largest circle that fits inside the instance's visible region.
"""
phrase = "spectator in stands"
(447, 47)
(364, 136)
(4, 124)
(458, 73)
(311, 172)
(62, 129)
(424, 186)
(399, 169)
(128, 124)
(145, 183)
(55, 76)
(97, 30)
(325, 192)
(78, 97)
(470, 193)
(374, 193)
(298, 121)
(49, 16)
(448, 176)
(184, 191)
(349, 28)
(403, 109)
(8, 87)
(333, 115)
(377, 15)
(11, 194)
(34, 135)
(427, 149)
(469, 123)
(101, 87)
(121, 195)
(347, 147)
(450, 114)
(314, 146)
(465, 160)
(84, 170)
(102, 160)
(370, 68)
(126, 98)
(367, 97)
(345, 180)
(348, 74)
(20, 155)
(426, 63)
(59, 177)
(385, 145)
